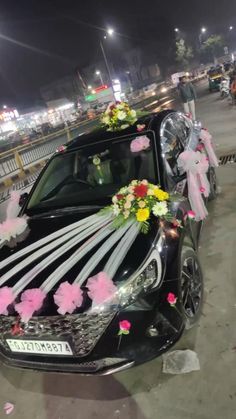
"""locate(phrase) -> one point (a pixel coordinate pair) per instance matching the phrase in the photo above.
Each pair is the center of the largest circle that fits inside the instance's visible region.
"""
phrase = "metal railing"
(14, 162)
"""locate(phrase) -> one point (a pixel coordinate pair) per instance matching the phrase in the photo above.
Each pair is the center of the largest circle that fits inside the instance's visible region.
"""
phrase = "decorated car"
(99, 268)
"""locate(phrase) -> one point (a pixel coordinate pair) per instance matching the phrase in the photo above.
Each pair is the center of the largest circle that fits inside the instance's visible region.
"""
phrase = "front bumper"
(95, 340)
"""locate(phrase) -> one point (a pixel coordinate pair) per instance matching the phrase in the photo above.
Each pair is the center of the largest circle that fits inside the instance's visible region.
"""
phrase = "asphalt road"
(145, 392)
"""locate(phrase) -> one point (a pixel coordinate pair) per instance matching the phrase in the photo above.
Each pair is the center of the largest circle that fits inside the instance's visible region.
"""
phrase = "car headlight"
(129, 292)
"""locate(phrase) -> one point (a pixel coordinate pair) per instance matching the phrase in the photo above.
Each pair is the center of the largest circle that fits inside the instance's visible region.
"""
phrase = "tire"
(191, 287)
(213, 184)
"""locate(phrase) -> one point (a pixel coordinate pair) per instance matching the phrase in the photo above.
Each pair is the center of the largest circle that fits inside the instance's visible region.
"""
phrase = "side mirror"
(23, 199)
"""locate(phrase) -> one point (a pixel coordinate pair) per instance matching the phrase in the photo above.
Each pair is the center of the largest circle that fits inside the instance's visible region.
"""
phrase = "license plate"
(40, 347)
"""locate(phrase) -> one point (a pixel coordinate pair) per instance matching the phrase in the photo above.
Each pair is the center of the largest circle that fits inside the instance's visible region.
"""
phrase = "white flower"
(116, 210)
(123, 190)
(160, 208)
(124, 126)
(130, 189)
(114, 199)
(133, 113)
(106, 120)
(121, 115)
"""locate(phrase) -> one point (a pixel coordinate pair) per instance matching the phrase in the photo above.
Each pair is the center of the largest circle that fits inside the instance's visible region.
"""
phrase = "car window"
(95, 172)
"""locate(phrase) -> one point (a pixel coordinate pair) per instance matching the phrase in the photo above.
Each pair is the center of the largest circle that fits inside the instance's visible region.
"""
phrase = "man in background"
(188, 96)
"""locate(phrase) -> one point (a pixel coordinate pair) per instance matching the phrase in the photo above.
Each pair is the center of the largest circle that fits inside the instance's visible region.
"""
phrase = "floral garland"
(118, 116)
(138, 201)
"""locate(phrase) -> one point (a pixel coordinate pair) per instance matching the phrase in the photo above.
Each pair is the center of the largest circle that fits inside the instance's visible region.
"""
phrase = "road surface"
(145, 392)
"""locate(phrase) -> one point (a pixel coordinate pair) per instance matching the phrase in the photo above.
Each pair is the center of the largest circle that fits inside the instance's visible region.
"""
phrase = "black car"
(78, 181)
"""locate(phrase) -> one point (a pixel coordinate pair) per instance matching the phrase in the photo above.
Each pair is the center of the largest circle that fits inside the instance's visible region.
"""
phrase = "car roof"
(151, 121)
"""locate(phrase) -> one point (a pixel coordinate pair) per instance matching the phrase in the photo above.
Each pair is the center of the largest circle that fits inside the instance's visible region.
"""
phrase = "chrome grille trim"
(84, 330)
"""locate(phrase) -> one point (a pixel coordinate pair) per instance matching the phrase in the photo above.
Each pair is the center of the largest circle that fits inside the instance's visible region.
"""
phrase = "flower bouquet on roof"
(118, 116)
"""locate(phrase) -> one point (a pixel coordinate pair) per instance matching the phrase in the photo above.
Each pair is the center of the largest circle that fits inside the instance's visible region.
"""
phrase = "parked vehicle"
(224, 88)
(215, 76)
(76, 183)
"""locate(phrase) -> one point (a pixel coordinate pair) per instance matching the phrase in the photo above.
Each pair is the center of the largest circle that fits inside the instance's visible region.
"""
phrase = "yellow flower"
(160, 194)
(142, 214)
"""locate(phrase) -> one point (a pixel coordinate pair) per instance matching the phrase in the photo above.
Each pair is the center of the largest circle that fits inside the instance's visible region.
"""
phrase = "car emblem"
(16, 329)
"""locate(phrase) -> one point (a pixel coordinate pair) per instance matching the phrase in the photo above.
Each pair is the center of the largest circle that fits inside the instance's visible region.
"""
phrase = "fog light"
(152, 332)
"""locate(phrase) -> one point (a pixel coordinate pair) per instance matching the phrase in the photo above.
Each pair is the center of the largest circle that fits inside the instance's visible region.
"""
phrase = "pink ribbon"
(206, 139)
(196, 166)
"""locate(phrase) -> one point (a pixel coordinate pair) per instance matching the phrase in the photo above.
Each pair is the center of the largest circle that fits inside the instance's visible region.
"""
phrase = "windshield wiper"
(67, 181)
(63, 211)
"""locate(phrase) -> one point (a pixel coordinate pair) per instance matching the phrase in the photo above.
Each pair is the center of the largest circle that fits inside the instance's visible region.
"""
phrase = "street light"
(176, 30)
(203, 30)
(89, 87)
(98, 73)
(231, 28)
(110, 31)
(4, 106)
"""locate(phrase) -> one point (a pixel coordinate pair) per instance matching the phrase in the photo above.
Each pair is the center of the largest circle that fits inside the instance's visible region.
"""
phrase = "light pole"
(203, 31)
(110, 32)
(98, 73)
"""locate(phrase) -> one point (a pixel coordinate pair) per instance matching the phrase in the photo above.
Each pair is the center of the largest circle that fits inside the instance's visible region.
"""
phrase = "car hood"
(42, 226)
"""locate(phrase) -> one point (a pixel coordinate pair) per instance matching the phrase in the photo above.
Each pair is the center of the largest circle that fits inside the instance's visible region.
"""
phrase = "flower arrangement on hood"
(118, 116)
(139, 201)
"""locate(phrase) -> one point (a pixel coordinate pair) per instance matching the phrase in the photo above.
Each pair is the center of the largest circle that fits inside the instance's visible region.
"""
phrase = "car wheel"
(213, 183)
(190, 286)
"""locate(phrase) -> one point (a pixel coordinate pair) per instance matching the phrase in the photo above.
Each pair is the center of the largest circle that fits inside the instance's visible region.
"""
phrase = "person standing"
(188, 96)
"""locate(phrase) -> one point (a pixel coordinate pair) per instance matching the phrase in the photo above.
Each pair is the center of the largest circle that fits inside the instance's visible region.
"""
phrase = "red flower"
(140, 190)
(125, 325)
(119, 196)
(171, 298)
(16, 330)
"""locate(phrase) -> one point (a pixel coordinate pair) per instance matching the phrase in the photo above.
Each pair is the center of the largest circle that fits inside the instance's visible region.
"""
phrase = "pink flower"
(8, 408)
(68, 297)
(191, 214)
(141, 127)
(6, 298)
(61, 148)
(202, 190)
(31, 301)
(127, 205)
(139, 144)
(171, 298)
(125, 325)
(101, 288)
(200, 147)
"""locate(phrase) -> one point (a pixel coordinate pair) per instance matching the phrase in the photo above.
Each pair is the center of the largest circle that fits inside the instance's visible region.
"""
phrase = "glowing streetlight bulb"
(203, 30)
(98, 72)
(4, 106)
(231, 28)
(176, 30)
(110, 31)
(89, 87)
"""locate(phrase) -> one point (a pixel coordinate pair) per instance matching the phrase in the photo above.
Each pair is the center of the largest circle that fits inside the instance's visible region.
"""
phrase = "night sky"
(41, 41)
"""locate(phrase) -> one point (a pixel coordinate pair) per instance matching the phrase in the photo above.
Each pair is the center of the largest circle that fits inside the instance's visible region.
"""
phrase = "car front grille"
(84, 330)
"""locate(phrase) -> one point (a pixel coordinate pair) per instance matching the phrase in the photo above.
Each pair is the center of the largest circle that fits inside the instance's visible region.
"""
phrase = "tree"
(184, 53)
(213, 46)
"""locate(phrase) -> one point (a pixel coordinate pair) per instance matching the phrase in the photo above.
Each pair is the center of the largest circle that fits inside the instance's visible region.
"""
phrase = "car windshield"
(92, 174)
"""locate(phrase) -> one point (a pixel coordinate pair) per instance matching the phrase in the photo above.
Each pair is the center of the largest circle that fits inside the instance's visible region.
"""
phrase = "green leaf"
(144, 227)
(119, 221)
(105, 211)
